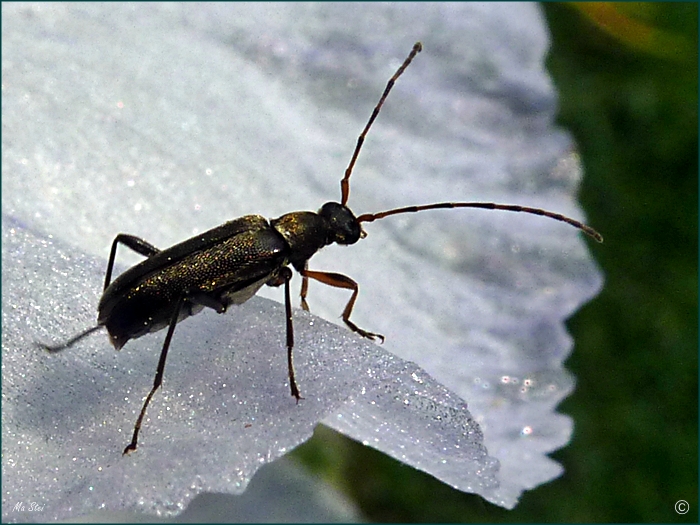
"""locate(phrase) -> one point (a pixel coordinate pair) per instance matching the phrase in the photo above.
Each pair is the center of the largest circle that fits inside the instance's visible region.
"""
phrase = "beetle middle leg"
(285, 275)
(338, 280)
(130, 241)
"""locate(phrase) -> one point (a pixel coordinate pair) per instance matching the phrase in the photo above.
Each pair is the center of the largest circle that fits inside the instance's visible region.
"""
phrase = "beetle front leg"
(338, 280)
(304, 287)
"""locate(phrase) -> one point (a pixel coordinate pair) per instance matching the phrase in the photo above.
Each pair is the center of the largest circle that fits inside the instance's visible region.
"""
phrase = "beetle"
(230, 263)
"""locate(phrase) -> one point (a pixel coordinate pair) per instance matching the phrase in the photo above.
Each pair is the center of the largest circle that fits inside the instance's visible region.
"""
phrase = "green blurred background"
(627, 75)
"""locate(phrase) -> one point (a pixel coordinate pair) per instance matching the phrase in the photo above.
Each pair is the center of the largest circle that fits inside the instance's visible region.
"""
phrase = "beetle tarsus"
(363, 333)
(52, 349)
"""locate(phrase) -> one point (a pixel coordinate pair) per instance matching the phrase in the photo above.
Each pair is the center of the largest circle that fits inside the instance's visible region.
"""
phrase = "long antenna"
(370, 217)
(345, 183)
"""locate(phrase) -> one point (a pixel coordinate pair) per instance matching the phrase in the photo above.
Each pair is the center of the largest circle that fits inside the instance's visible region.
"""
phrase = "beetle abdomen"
(229, 272)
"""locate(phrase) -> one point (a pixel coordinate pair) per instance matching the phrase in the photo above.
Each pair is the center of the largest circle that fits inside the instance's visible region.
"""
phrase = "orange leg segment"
(340, 281)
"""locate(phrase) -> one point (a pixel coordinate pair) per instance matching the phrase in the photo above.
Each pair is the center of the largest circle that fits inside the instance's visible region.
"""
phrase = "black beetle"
(230, 263)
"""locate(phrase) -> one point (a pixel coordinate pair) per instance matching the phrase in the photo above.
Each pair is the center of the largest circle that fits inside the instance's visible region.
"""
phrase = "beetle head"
(344, 228)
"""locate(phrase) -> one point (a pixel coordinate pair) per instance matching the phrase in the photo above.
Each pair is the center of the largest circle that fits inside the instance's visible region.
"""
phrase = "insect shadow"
(230, 263)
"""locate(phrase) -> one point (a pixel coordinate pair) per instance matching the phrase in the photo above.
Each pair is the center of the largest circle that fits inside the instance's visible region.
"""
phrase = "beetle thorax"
(307, 232)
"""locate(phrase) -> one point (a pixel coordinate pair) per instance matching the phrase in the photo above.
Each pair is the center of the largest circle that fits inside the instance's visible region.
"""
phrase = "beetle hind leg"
(137, 244)
(52, 349)
(158, 380)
